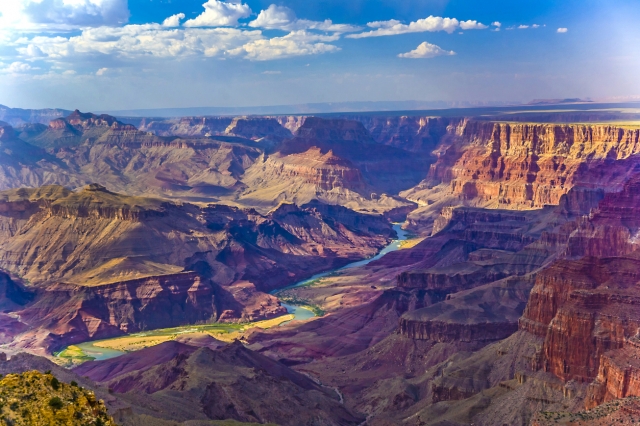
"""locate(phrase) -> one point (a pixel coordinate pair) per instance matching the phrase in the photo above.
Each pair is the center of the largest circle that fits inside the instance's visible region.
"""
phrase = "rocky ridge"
(229, 383)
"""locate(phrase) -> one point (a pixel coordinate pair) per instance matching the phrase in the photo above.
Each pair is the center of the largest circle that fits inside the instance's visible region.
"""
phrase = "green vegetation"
(228, 332)
(33, 398)
(303, 303)
(56, 403)
(74, 353)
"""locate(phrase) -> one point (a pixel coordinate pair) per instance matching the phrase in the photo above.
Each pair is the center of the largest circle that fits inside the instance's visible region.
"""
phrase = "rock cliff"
(258, 128)
(521, 165)
(75, 314)
(334, 161)
(618, 375)
(583, 308)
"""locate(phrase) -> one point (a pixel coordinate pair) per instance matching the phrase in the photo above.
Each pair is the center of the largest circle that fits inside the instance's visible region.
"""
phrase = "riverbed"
(302, 313)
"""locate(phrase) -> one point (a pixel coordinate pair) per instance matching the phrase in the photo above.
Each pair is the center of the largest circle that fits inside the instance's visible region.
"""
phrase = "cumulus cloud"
(220, 14)
(100, 41)
(173, 21)
(562, 30)
(17, 68)
(427, 50)
(133, 42)
(496, 24)
(430, 24)
(296, 43)
(62, 14)
(283, 18)
(384, 24)
(137, 41)
(472, 25)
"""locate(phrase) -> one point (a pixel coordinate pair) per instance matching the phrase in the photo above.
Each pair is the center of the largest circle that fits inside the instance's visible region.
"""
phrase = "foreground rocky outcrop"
(33, 398)
(233, 379)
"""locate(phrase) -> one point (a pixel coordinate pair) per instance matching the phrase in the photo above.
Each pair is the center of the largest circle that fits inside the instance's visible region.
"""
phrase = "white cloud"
(34, 51)
(17, 68)
(427, 50)
(173, 21)
(430, 24)
(271, 72)
(62, 14)
(69, 72)
(562, 30)
(496, 24)
(472, 25)
(102, 71)
(220, 14)
(524, 27)
(296, 43)
(134, 42)
(282, 18)
(142, 41)
(384, 24)
(274, 17)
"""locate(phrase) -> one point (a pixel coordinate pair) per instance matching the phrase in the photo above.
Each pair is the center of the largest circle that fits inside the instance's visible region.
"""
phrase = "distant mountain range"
(18, 116)
(311, 108)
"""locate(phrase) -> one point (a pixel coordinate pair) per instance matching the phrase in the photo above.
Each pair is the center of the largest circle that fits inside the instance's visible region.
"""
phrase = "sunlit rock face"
(513, 165)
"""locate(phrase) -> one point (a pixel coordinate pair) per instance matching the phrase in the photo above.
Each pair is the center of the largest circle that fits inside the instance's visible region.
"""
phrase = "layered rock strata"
(75, 314)
(525, 165)
(618, 375)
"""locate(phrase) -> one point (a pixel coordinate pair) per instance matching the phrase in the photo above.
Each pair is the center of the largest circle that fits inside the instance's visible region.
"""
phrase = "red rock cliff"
(527, 165)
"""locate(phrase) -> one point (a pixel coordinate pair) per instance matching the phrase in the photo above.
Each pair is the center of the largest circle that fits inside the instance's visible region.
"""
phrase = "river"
(301, 313)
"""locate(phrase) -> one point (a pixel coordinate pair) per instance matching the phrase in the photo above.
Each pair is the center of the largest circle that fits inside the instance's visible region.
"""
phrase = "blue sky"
(119, 54)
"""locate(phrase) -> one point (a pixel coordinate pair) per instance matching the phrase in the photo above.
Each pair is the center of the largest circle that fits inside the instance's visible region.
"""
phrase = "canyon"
(514, 300)
(102, 264)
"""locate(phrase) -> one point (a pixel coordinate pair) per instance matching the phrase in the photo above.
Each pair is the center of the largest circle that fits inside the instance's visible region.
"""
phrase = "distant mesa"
(258, 128)
(558, 101)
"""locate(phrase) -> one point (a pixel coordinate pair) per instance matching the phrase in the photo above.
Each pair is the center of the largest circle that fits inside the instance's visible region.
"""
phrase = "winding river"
(300, 313)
